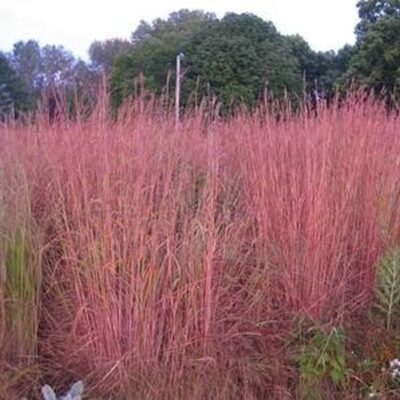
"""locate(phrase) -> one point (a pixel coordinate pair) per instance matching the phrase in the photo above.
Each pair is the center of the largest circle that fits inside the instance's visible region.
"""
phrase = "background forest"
(236, 59)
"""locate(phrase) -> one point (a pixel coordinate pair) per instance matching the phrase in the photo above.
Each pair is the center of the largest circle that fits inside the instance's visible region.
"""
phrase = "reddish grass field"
(162, 262)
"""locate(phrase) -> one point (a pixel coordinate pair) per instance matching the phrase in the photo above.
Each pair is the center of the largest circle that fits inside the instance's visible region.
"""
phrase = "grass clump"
(388, 288)
(161, 261)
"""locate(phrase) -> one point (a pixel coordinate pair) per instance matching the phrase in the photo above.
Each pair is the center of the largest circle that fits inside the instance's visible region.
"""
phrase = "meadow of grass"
(156, 261)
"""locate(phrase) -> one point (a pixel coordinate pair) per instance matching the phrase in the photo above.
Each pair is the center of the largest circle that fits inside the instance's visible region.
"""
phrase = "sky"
(75, 24)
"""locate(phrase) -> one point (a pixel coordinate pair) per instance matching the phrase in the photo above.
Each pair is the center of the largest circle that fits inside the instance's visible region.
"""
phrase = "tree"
(343, 58)
(320, 70)
(42, 67)
(181, 24)
(376, 60)
(154, 50)
(52, 73)
(14, 98)
(238, 58)
(57, 65)
(142, 32)
(370, 11)
(83, 76)
(103, 54)
(26, 60)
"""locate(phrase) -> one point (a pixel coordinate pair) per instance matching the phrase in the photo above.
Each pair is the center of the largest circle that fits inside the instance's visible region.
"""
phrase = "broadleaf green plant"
(322, 357)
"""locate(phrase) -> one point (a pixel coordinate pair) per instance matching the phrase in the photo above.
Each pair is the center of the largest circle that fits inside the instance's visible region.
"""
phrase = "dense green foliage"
(238, 59)
(103, 54)
(371, 11)
(43, 67)
(33, 71)
(321, 70)
(14, 96)
(376, 61)
(235, 58)
(155, 49)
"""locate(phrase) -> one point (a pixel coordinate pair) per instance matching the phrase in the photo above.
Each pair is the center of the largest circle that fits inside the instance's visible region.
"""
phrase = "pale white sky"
(325, 24)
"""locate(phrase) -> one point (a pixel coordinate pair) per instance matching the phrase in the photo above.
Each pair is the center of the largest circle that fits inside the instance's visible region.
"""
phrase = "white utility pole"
(179, 58)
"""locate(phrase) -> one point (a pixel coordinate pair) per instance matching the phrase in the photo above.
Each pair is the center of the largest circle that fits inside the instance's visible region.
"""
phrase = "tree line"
(236, 59)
